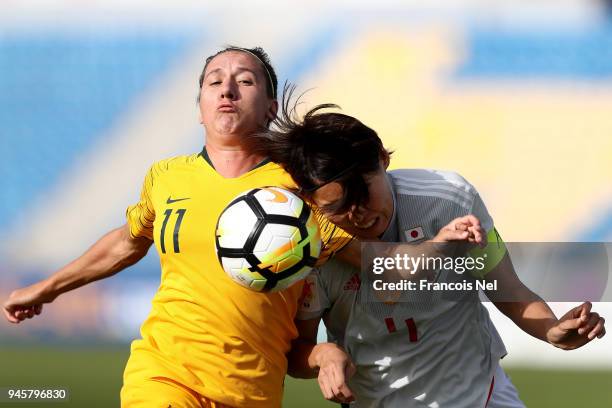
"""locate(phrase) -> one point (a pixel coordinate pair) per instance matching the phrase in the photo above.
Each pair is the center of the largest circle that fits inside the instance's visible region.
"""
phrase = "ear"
(199, 103)
(272, 110)
(385, 160)
(200, 117)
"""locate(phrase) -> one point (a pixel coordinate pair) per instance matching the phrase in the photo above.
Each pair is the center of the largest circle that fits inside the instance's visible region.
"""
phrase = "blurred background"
(515, 96)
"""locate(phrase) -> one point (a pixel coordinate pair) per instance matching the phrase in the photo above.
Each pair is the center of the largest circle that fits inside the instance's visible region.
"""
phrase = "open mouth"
(366, 225)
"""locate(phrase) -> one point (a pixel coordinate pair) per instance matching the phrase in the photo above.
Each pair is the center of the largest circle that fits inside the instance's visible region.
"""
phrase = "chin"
(365, 234)
(228, 121)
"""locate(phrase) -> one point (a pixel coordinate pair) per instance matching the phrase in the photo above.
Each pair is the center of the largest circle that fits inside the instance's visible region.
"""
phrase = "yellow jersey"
(205, 331)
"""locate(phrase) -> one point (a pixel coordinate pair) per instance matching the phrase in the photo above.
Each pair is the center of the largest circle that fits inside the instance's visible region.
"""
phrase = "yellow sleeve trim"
(333, 238)
(492, 253)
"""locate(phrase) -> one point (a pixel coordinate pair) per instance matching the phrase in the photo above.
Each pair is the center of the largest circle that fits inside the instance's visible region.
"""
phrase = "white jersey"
(430, 353)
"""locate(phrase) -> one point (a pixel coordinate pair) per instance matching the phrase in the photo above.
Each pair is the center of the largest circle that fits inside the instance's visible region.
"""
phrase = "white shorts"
(504, 393)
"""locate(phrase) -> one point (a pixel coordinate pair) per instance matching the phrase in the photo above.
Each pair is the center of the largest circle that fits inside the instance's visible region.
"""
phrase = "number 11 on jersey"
(177, 226)
(410, 324)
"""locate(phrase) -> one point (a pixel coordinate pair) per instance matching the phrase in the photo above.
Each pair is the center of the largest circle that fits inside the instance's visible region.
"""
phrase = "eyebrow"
(328, 204)
(239, 70)
(335, 204)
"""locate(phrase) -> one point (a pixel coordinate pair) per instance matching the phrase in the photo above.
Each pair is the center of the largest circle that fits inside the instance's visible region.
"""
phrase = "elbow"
(298, 366)
(293, 372)
(131, 250)
(301, 373)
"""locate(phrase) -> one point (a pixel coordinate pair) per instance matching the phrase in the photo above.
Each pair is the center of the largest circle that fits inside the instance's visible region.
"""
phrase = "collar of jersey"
(206, 157)
(390, 234)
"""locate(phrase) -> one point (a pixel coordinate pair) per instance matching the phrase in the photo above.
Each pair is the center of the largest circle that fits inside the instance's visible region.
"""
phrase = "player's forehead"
(231, 62)
(328, 194)
(337, 197)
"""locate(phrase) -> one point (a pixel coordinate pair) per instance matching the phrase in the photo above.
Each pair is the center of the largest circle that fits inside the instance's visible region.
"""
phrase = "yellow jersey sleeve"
(141, 215)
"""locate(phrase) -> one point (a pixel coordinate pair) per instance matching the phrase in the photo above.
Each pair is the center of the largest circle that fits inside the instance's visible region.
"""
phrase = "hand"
(459, 235)
(335, 368)
(576, 328)
(26, 303)
(466, 228)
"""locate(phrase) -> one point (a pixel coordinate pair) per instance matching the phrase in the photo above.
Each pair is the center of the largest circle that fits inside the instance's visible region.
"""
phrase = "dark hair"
(260, 55)
(321, 148)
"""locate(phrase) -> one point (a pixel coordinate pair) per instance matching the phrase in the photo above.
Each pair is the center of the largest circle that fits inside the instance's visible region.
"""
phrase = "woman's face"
(233, 98)
(369, 220)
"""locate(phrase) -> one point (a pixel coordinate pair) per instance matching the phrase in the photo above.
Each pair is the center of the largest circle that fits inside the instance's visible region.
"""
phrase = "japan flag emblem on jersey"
(414, 234)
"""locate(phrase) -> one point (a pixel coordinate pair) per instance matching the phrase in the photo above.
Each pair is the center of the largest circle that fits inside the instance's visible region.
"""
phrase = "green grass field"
(93, 377)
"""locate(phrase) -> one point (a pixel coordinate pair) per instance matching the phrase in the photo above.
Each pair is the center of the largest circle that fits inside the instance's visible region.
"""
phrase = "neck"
(231, 161)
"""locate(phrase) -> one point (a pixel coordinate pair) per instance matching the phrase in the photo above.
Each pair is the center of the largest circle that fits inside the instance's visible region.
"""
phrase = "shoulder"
(268, 167)
(434, 183)
(176, 162)
(433, 178)
(270, 173)
(172, 164)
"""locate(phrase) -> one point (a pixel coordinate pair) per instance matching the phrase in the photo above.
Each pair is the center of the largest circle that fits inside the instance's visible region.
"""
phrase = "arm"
(464, 230)
(112, 253)
(327, 361)
(301, 359)
(529, 312)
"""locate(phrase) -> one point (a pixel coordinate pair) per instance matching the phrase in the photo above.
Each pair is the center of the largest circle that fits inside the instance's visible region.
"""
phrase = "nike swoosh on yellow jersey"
(170, 200)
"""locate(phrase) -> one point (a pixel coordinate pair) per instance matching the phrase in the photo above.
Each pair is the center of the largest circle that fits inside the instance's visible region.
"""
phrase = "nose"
(356, 214)
(228, 91)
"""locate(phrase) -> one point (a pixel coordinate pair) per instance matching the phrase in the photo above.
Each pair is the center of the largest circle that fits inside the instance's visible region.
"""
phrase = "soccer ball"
(267, 239)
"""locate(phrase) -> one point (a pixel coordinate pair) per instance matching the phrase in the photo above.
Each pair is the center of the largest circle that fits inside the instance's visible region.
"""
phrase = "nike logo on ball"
(170, 200)
(278, 196)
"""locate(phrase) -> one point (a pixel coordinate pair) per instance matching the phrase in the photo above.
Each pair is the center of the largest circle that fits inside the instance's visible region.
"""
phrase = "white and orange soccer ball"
(267, 239)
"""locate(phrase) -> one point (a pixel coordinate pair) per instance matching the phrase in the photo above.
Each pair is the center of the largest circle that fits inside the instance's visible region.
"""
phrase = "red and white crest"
(414, 234)
(353, 284)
